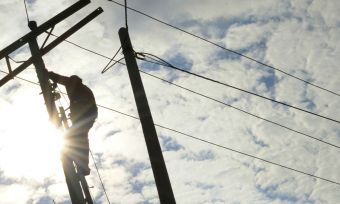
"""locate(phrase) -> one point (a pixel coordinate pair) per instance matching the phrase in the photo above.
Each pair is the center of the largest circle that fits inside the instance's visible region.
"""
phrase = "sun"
(30, 144)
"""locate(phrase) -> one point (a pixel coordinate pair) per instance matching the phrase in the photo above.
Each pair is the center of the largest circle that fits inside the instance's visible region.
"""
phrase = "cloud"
(299, 37)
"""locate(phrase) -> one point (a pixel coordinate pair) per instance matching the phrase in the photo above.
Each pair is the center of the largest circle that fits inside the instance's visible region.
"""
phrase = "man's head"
(75, 80)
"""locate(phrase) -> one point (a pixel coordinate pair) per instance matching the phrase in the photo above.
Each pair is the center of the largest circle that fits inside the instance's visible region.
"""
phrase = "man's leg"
(83, 149)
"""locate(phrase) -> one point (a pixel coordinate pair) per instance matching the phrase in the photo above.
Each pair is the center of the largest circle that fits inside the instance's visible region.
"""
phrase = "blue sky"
(300, 37)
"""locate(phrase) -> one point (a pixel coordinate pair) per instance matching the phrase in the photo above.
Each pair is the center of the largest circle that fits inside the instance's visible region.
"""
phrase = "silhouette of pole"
(43, 76)
(158, 166)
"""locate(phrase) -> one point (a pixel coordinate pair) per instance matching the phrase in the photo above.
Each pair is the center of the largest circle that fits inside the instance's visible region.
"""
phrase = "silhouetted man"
(83, 114)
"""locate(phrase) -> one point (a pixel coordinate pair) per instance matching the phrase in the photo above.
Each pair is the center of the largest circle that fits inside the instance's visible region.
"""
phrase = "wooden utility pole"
(165, 193)
(76, 182)
(43, 76)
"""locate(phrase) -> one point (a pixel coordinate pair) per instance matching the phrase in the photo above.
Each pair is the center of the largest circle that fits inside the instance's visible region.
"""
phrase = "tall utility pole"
(43, 76)
(76, 182)
(165, 193)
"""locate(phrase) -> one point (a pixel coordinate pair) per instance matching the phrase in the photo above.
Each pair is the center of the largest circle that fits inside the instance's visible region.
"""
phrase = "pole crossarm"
(52, 45)
(43, 27)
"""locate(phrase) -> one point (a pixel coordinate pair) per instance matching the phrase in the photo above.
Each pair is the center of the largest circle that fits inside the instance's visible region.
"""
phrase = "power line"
(107, 67)
(241, 110)
(28, 19)
(248, 155)
(126, 19)
(100, 178)
(139, 56)
(230, 149)
(35, 83)
(224, 147)
(167, 64)
(118, 61)
(83, 48)
(229, 50)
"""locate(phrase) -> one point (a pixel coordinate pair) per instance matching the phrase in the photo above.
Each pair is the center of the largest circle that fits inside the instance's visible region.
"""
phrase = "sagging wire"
(100, 178)
(229, 50)
(126, 21)
(224, 147)
(28, 19)
(107, 67)
(167, 64)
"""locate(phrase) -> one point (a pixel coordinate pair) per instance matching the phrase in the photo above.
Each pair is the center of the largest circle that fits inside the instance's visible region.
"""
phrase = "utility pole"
(76, 182)
(158, 166)
(43, 76)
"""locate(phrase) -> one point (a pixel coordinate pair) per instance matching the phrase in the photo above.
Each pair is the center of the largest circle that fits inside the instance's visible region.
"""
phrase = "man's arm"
(58, 78)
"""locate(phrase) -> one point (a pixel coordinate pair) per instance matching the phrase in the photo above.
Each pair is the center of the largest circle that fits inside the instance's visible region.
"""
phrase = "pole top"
(32, 25)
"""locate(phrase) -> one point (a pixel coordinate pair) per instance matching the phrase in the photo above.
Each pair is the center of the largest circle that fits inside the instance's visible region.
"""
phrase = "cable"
(21, 78)
(83, 48)
(248, 155)
(100, 178)
(239, 89)
(107, 67)
(28, 19)
(280, 125)
(229, 50)
(230, 149)
(125, 8)
(241, 110)
(208, 79)
(210, 98)
(224, 147)
(118, 61)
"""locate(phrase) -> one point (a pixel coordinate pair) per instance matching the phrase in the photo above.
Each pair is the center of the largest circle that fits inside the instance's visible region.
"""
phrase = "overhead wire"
(167, 64)
(107, 67)
(100, 178)
(229, 50)
(83, 48)
(27, 18)
(35, 83)
(139, 56)
(212, 143)
(227, 148)
(137, 117)
(241, 110)
(126, 20)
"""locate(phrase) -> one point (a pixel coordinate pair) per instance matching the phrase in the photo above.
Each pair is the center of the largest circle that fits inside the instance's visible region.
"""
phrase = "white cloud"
(299, 37)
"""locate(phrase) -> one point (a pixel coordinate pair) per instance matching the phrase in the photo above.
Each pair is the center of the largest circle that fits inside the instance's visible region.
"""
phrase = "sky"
(300, 37)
